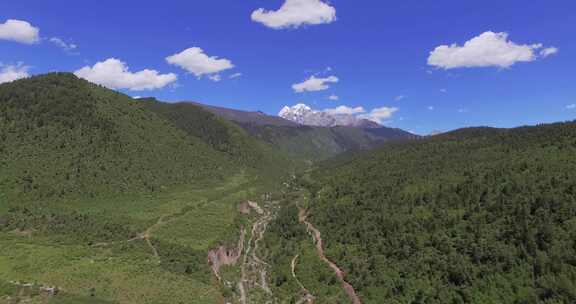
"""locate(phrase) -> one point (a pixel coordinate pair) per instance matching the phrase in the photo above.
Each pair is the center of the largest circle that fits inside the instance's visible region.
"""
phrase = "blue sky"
(378, 51)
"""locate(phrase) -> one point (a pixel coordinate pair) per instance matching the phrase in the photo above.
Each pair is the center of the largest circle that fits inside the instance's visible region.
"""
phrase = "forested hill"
(473, 216)
(223, 136)
(62, 136)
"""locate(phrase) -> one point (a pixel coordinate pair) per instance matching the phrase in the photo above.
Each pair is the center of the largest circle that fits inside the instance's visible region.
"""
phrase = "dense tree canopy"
(474, 216)
(62, 136)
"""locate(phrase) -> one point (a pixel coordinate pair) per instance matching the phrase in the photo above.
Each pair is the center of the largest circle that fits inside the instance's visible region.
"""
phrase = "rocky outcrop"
(224, 256)
(247, 206)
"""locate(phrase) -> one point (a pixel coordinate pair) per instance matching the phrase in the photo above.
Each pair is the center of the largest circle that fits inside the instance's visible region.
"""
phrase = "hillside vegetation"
(116, 200)
(61, 136)
(473, 216)
(313, 144)
(225, 137)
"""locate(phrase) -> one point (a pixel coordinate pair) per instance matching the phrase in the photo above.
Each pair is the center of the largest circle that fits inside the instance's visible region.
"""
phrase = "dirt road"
(317, 237)
(306, 296)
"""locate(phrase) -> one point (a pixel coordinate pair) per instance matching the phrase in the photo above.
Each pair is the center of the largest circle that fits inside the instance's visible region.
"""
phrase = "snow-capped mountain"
(304, 115)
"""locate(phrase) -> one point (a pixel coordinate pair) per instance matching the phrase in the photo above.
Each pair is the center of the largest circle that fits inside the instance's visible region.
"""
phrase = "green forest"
(477, 215)
(61, 136)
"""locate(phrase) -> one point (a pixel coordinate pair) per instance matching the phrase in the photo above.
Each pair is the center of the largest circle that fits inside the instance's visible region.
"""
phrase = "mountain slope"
(220, 134)
(319, 143)
(61, 136)
(245, 117)
(472, 216)
(224, 136)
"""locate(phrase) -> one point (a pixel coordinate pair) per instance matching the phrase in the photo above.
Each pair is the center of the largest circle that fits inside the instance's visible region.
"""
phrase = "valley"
(111, 199)
(103, 217)
(287, 152)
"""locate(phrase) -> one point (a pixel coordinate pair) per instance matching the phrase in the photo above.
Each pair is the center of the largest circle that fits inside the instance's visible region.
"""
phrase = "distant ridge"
(246, 117)
(311, 143)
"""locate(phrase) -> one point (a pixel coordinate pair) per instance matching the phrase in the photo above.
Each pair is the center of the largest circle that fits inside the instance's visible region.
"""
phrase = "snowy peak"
(297, 111)
(305, 115)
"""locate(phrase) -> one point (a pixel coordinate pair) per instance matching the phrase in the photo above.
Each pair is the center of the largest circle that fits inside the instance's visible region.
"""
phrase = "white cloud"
(486, 50)
(62, 44)
(313, 84)
(295, 13)
(196, 62)
(345, 110)
(9, 73)
(235, 75)
(19, 31)
(548, 52)
(215, 77)
(571, 106)
(333, 97)
(431, 108)
(400, 97)
(114, 74)
(379, 115)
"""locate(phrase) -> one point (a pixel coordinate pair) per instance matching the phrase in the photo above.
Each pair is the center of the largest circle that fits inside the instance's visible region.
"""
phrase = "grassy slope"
(474, 216)
(128, 272)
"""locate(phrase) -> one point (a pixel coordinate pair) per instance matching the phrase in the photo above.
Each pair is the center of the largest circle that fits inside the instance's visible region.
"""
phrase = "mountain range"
(308, 141)
(304, 115)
